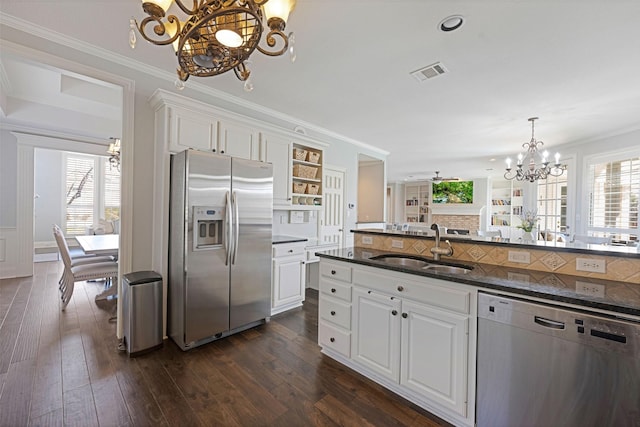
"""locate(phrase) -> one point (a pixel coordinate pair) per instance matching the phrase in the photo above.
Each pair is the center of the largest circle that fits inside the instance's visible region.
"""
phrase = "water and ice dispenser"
(208, 226)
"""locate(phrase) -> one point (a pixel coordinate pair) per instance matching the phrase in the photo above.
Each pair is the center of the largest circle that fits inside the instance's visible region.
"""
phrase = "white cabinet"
(237, 140)
(277, 151)
(287, 287)
(434, 354)
(334, 308)
(191, 129)
(376, 332)
(306, 177)
(412, 334)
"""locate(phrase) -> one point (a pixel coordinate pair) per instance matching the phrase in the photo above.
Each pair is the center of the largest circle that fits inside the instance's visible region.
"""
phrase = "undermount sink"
(452, 269)
(422, 263)
(402, 260)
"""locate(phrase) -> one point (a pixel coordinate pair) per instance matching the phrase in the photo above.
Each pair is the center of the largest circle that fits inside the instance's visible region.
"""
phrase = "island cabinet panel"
(413, 334)
(434, 353)
(376, 332)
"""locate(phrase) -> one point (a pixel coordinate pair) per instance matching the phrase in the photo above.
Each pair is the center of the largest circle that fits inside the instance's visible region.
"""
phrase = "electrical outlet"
(591, 265)
(397, 244)
(521, 257)
(367, 240)
(591, 289)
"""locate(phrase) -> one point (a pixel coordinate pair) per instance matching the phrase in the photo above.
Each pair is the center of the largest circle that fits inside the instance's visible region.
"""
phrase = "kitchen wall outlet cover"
(296, 217)
(397, 244)
(591, 265)
(591, 289)
(367, 240)
(521, 257)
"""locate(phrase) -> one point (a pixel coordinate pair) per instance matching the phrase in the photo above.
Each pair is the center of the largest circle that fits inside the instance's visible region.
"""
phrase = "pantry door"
(332, 220)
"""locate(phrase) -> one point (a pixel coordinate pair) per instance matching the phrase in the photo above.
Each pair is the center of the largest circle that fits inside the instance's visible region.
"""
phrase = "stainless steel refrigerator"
(219, 246)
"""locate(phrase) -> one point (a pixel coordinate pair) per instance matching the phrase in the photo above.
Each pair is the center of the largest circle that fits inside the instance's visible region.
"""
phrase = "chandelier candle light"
(216, 36)
(533, 171)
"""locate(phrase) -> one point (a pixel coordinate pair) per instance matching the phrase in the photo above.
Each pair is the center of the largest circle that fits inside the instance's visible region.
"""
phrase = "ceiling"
(574, 64)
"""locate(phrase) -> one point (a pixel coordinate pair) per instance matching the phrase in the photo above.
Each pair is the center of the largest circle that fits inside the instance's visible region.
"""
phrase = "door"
(434, 354)
(288, 281)
(252, 201)
(238, 141)
(332, 221)
(206, 305)
(375, 339)
(277, 151)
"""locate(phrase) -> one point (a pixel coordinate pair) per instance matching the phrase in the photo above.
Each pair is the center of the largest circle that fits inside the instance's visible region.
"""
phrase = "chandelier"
(216, 36)
(114, 153)
(534, 171)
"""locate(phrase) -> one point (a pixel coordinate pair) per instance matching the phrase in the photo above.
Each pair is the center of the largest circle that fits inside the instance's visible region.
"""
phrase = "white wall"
(8, 179)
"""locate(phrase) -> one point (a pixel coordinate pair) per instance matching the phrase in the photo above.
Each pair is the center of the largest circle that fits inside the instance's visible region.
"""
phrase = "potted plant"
(528, 221)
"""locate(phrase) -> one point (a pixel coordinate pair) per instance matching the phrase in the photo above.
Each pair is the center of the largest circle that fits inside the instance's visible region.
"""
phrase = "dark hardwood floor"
(64, 368)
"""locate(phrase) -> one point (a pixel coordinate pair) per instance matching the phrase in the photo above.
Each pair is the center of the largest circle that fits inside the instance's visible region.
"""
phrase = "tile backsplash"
(616, 268)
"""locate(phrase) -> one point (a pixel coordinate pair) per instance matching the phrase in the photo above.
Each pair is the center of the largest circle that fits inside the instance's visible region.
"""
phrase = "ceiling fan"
(439, 178)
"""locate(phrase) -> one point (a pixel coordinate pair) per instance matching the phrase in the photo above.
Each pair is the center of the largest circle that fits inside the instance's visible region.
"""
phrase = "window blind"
(614, 193)
(111, 191)
(79, 193)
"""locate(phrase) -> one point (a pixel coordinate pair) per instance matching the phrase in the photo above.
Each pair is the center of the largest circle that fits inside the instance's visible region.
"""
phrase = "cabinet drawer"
(335, 339)
(288, 249)
(335, 289)
(335, 312)
(430, 291)
(337, 272)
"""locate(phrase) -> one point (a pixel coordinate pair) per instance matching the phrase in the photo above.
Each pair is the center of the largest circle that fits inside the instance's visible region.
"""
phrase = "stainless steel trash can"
(142, 311)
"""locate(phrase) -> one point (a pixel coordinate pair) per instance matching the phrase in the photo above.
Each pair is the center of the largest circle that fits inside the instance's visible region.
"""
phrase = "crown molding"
(87, 48)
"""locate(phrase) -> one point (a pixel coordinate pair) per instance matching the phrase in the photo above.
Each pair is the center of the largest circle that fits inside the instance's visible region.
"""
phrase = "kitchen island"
(414, 330)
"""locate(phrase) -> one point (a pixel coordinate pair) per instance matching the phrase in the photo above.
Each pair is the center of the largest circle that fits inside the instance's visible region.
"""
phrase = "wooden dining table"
(102, 244)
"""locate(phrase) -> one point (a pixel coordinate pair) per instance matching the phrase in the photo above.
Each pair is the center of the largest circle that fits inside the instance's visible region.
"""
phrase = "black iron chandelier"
(534, 171)
(216, 36)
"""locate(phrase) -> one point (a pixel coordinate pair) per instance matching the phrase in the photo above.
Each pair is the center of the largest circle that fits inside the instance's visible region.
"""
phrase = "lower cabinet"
(288, 278)
(409, 333)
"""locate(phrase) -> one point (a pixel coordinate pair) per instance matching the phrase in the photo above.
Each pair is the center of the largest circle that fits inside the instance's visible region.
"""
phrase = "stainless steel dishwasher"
(541, 365)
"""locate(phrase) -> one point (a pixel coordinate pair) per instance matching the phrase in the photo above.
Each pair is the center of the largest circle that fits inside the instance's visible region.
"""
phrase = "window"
(92, 191)
(552, 204)
(614, 191)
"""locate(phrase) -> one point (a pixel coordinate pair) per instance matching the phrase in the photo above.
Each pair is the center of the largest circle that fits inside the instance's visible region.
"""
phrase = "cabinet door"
(375, 341)
(277, 151)
(434, 354)
(238, 141)
(192, 130)
(288, 281)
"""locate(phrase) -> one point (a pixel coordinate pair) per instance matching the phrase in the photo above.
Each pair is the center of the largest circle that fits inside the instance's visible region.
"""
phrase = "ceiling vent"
(429, 72)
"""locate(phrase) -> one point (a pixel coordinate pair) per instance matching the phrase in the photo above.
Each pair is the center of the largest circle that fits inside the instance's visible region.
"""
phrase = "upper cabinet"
(237, 140)
(416, 205)
(276, 150)
(190, 129)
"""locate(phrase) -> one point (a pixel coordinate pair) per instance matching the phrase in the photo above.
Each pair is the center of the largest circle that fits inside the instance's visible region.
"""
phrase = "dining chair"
(77, 258)
(83, 271)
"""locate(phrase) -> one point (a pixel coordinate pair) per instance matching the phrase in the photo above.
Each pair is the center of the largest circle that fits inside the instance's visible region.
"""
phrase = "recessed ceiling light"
(451, 23)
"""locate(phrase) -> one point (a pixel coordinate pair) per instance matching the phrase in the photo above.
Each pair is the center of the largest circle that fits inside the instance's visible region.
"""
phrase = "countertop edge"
(488, 284)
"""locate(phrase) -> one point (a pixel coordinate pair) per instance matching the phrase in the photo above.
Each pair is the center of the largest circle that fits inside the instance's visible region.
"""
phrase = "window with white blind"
(614, 194)
(92, 192)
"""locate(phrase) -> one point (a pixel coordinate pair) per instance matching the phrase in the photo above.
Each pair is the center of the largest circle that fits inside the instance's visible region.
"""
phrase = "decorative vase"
(527, 236)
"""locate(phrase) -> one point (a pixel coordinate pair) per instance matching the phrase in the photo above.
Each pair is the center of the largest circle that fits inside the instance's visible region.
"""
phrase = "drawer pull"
(400, 288)
(333, 272)
(404, 315)
(333, 313)
(394, 312)
(290, 251)
(332, 339)
(333, 290)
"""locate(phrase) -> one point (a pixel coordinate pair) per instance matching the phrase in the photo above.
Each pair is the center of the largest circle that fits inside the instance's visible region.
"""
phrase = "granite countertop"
(279, 238)
(618, 297)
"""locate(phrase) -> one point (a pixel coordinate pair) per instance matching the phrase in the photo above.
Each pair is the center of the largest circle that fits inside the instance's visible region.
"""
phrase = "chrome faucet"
(437, 251)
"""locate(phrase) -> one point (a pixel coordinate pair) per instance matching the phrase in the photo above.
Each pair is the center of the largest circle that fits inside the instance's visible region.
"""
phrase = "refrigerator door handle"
(236, 225)
(228, 223)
